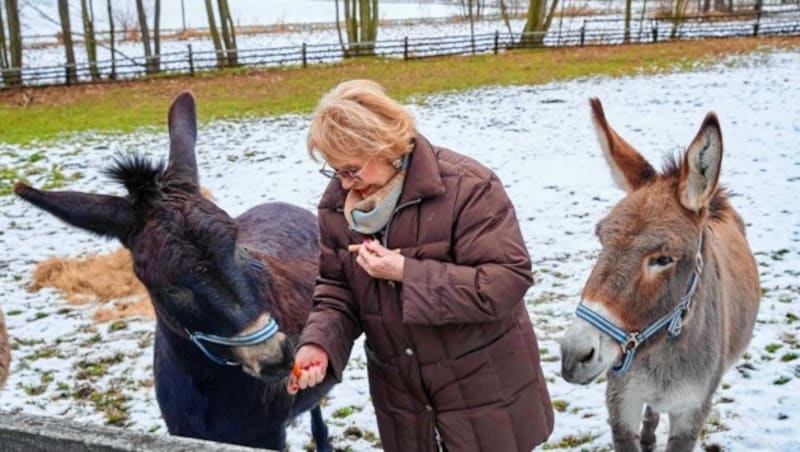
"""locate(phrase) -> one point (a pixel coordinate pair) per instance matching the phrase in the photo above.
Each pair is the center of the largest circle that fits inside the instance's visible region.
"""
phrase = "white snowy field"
(540, 142)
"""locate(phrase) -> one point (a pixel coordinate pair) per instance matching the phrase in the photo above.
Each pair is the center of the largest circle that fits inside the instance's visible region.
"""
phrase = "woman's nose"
(347, 183)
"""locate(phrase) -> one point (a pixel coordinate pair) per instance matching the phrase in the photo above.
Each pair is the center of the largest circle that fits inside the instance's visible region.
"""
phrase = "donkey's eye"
(200, 268)
(661, 261)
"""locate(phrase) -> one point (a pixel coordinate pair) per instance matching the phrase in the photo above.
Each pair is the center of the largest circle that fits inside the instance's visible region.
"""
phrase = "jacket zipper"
(389, 223)
(439, 443)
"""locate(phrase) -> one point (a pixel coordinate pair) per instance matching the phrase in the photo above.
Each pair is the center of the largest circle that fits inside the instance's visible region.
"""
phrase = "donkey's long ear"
(183, 135)
(629, 169)
(109, 216)
(701, 163)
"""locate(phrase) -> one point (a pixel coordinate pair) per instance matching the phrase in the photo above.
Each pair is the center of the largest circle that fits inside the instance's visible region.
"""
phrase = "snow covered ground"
(540, 141)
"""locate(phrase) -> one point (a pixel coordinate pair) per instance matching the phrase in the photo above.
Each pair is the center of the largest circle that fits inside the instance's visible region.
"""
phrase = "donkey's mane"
(138, 174)
(718, 207)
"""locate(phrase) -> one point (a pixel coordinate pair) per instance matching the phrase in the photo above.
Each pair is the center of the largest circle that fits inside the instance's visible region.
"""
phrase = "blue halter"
(263, 334)
(631, 341)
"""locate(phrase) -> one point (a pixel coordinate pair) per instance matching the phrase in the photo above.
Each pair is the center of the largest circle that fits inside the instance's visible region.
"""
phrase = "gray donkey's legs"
(685, 426)
(625, 416)
(647, 437)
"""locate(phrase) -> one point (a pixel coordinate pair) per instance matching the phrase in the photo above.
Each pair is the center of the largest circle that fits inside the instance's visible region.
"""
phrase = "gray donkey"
(671, 302)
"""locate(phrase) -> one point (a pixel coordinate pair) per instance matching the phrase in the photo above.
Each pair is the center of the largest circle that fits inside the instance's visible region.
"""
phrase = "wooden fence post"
(583, 33)
(755, 25)
(405, 48)
(655, 32)
(496, 41)
(304, 53)
(191, 60)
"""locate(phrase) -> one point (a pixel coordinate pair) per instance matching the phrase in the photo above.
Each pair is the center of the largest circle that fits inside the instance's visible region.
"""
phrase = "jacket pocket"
(481, 376)
(386, 386)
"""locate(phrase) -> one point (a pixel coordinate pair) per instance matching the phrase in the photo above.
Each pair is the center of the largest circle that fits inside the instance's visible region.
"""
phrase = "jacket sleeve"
(491, 270)
(333, 323)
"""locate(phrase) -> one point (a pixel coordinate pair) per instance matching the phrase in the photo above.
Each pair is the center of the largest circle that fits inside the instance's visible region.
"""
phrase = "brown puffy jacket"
(451, 351)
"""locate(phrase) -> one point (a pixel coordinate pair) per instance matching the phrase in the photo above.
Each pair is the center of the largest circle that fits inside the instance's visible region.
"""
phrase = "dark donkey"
(671, 302)
(230, 294)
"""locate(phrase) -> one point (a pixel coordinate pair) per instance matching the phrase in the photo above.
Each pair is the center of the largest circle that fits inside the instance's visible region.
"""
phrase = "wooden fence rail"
(26, 433)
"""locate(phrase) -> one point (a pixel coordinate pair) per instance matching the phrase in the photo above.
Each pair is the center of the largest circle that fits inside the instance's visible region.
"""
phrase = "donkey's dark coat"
(207, 272)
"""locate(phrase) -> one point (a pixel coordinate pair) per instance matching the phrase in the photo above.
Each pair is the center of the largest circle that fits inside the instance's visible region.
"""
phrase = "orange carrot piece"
(296, 370)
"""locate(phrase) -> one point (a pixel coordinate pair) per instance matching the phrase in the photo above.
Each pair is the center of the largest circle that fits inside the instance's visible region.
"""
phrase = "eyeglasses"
(330, 173)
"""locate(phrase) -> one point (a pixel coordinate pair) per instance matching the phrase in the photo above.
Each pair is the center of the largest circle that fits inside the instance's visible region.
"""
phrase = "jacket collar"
(423, 178)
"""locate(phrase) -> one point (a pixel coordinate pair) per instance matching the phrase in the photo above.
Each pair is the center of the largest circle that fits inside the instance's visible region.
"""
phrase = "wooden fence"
(592, 32)
(26, 433)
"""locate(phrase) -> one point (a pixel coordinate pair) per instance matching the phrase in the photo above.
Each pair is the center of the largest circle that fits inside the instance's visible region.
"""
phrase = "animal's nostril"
(588, 357)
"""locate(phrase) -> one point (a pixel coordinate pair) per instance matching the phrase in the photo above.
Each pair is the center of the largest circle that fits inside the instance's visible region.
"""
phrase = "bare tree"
(228, 32)
(125, 17)
(504, 13)
(538, 22)
(224, 46)
(212, 28)
(678, 16)
(4, 63)
(66, 33)
(361, 23)
(471, 8)
(157, 34)
(112, 41)
(11, 45)
(627, 37)
(89, 39)
(151, 59)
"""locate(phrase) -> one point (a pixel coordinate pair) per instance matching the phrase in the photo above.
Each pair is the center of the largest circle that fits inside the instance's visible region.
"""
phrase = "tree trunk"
(212, 28)
(533, 24)
(504, 15)
(144, 29)
(677, 17)
(351, 24)
(471, 17)
(3, 47)
(89, 40)
(13, 76)
(537, 23)
(66, 31)
(112, 38)
(627, 37)
(228, 32)
(361, 22)
(157, 35)
(339, 30)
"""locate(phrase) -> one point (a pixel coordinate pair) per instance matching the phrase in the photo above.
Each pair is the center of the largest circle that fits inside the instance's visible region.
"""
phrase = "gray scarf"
(369, 215)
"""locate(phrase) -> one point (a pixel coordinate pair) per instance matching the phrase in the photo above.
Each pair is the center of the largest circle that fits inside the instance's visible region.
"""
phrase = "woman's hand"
(380, 262)
(313, 362)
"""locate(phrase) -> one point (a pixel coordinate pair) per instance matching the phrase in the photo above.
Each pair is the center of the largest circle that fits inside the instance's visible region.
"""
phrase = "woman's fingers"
(291, 385)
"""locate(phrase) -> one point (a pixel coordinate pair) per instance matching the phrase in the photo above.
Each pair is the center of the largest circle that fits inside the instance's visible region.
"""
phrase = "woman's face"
(370, 174)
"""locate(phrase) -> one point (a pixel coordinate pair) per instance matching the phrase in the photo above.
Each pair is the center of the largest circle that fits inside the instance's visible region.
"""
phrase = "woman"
(437, 284)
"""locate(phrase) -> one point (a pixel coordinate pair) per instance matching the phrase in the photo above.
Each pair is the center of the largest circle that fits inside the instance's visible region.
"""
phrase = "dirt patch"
(102, 278)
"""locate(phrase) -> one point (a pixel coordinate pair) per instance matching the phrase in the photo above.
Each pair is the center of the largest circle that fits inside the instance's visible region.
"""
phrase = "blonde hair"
(357, 119)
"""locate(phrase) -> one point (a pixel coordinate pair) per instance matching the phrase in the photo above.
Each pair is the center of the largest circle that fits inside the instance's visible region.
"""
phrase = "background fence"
(592, 32)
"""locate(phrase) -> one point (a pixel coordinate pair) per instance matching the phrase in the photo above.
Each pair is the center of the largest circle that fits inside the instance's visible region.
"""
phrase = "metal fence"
(592, 32)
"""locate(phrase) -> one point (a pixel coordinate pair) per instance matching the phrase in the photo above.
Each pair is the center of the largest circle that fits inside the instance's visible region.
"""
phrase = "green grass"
(127, 106)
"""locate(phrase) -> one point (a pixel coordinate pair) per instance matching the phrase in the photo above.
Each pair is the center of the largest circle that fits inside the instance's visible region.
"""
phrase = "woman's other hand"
(313, 362)
(380, 262)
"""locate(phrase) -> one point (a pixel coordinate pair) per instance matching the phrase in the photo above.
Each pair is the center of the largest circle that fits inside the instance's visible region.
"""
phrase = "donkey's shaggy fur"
(209, 273)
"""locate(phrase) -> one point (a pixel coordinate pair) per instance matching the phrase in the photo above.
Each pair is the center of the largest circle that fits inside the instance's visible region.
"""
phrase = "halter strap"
(630, 341)
(262, 334)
